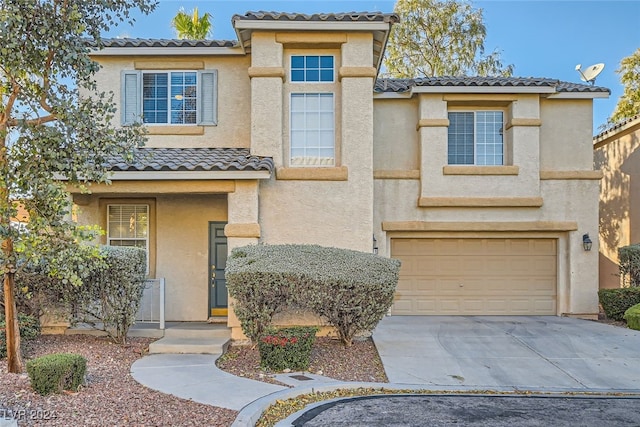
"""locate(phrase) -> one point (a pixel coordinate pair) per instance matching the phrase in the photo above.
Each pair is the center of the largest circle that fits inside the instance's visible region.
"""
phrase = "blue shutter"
(130, 97)
(207, 97)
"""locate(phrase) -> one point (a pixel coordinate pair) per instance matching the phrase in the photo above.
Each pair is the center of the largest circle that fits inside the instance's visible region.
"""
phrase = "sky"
(541, 38)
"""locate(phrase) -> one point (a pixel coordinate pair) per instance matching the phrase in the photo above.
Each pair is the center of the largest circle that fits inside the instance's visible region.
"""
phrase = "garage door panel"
(476, 276)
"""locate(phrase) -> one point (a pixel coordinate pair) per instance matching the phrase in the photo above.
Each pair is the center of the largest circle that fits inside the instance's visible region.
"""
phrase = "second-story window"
(475, 138)
(169, 97)
(312, 129)
(312, 68)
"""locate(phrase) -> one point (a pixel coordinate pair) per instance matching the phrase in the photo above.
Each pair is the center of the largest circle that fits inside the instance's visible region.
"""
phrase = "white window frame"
(169, 98)
(319, 160)
(131, 96)
(137, 239)
(333, 70)
(475, 137)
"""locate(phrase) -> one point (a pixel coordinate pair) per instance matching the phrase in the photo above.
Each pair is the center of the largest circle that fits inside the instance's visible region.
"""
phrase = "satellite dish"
(589, 75)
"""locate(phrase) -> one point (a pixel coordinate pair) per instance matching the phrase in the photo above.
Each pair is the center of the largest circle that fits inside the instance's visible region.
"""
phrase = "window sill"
(340, 173)
(175, 130)
(480, 170)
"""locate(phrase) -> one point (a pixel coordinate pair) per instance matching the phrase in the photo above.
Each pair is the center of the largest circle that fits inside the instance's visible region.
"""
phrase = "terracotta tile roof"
(318, 17)
(193, 159)
(404, 85)
(166, 43)
(618, 125)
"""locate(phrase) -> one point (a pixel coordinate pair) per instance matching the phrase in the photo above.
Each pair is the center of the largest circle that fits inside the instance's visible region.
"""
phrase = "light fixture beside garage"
(375, 245)
(586, 242)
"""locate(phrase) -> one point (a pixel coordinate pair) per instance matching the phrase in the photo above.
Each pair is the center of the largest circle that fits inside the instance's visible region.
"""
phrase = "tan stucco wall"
(396, 144)
(233, 99)
(181, 246)
(326, 212)
(619, 159)
(563, 201)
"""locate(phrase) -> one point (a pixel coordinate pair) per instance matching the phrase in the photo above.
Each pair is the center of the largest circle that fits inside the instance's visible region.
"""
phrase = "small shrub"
(57, 372)
(616, 301)
(29, 327)
(287, 348)
(110, 297)
(629, 257)
(632, 316)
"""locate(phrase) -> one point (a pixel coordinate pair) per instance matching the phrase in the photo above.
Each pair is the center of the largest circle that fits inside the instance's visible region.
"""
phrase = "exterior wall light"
(586, 242)
(375, 245)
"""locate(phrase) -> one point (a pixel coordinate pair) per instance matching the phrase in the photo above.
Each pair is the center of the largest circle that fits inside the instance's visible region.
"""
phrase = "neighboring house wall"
(617, 155)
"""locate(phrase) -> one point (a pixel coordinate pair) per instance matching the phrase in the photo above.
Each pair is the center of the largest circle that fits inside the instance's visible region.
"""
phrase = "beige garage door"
(475, 276)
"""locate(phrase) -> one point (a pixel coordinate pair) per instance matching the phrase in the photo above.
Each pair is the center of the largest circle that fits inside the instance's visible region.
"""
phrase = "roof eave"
(241, 24)
(168, 51)
(482, 89)
(380, 30)
(188, 175)
(579, 95)
(611, 135)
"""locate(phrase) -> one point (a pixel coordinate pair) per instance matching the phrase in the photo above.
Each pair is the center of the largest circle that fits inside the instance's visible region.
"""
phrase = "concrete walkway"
(196, 377)
(549, 354)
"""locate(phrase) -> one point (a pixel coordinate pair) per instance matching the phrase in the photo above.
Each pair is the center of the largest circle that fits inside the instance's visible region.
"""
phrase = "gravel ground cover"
(329, 357)
(111, 396)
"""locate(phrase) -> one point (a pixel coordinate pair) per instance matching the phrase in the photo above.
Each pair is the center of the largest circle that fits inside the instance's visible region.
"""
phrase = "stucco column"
(242, 229)
(356, 76)
(432, 127)
(267, 74)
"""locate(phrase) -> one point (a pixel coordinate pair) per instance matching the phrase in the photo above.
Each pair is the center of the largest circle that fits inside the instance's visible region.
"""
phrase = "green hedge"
(616, 301)
(57, 372)
(352, 290)
(29, 327)
(287, 348)
(632, 316)
(110, 297)
(629, 257)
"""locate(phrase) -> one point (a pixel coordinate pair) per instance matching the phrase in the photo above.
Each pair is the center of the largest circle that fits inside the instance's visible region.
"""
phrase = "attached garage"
(476, 276)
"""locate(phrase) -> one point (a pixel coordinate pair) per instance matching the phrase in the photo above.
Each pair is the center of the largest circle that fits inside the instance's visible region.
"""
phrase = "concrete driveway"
(542, 353)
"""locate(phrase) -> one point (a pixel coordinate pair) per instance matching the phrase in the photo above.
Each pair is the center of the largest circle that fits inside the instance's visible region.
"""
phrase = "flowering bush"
(287, 348)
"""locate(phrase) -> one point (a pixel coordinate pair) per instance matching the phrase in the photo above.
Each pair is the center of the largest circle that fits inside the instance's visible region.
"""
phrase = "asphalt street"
(474, 410)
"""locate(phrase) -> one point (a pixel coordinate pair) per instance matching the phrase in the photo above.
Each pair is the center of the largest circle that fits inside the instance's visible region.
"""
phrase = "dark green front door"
(217, 264)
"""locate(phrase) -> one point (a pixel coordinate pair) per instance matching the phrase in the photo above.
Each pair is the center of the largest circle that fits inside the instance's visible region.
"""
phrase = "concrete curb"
(251, 413)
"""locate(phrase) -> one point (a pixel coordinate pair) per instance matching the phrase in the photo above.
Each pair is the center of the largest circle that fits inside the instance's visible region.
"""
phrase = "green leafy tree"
(629, 103)
(53, 123)
(440, 38)
(192, 27)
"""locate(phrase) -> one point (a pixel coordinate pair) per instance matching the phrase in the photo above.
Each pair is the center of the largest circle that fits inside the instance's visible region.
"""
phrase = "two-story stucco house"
(483, 187)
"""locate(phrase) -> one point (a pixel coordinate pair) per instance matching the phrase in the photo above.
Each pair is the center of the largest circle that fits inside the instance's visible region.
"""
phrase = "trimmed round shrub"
(54, 373)
(616, 301)
(632, 316)
(352, 290)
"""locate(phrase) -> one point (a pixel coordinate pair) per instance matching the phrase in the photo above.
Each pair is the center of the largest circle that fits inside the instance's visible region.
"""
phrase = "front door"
(217, 263)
